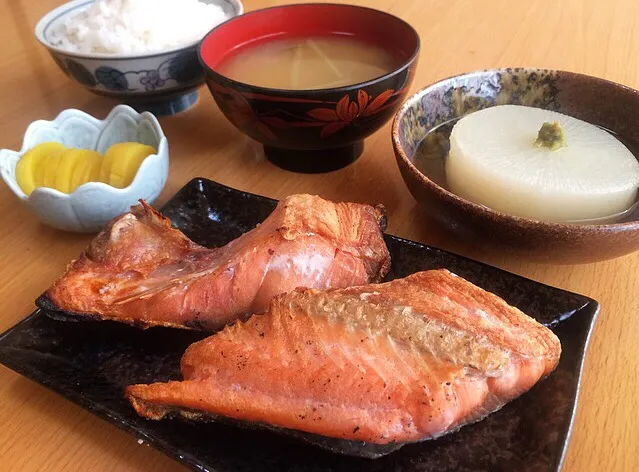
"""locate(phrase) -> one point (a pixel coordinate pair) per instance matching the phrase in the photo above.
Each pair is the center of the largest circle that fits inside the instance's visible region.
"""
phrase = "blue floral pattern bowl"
(163, 83)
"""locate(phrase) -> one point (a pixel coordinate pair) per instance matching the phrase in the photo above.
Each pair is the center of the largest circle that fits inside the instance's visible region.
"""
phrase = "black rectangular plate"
(90, 363)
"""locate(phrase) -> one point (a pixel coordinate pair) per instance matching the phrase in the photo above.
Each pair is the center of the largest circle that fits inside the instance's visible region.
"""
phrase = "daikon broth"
(309, 63)
(431, 154)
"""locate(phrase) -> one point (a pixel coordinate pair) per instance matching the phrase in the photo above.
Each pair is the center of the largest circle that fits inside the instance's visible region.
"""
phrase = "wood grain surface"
(39, 430)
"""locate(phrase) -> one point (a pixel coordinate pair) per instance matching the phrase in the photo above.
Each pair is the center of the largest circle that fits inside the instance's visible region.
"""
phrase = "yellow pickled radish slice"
(105, 166)
(29, 170)
(51, 166)
(93, 174)
(77, 177)
(84, 170)
(126, 159)
(71, 158)
(90, 170)
(39, 173)
(43, 165)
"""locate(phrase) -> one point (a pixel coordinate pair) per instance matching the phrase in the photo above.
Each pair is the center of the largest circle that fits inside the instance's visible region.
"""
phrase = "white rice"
(136, 26)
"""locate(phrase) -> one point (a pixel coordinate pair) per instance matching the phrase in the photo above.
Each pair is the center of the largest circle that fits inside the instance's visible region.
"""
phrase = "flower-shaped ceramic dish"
(92, 205)
(162, 82)
(609, 105)
(311, 130)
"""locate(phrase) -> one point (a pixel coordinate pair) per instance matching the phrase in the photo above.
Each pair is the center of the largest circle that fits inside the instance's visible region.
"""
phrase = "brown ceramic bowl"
(607, 104)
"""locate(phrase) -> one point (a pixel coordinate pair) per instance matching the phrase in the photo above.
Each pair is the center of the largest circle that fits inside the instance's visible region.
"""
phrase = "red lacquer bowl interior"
(310, 20)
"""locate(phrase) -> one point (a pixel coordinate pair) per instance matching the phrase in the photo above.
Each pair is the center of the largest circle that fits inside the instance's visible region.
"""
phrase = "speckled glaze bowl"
(597, 101)
(163, 83)
(311, 130)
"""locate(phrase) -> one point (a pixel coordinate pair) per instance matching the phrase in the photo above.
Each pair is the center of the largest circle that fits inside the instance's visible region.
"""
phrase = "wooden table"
(40, 430)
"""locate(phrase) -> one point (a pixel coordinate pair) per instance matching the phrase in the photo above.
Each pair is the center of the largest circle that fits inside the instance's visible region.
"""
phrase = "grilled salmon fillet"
(402, 361)
(141, 271)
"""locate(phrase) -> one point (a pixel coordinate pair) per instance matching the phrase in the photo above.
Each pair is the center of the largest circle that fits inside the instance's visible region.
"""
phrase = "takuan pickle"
(55, 166)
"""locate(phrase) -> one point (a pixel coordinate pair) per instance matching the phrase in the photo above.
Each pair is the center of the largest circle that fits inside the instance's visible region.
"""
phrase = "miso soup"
(309, 63)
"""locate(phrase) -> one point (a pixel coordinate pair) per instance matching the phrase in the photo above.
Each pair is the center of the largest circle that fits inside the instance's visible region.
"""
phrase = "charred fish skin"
(389, 363)
(141, 271)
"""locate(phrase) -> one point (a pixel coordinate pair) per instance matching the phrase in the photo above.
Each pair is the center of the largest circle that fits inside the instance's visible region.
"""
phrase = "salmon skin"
(140, 270)
(387, 364)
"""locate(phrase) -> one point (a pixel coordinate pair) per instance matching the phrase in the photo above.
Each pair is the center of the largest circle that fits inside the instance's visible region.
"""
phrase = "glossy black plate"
(90, 363)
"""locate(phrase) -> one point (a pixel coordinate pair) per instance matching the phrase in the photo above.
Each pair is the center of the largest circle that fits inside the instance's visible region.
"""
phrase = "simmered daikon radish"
(540, 164)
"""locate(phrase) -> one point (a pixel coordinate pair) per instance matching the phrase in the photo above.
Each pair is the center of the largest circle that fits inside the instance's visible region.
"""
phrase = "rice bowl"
(162, 81)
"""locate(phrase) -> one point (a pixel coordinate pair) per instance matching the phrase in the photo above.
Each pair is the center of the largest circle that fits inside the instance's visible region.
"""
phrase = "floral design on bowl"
(92, 205)
(80, 73)
(179, 70)
(323, 122)
(236, 106)
(152, 80)
(183, 67)
(347, 111)
(111, 79)
(141, 80)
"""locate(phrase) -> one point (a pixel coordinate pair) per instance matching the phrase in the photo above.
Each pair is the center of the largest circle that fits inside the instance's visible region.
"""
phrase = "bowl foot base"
(167, 107)
(314, 162)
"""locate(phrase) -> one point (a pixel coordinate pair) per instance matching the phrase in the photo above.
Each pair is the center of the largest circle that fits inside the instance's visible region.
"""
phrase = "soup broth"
(309, 63)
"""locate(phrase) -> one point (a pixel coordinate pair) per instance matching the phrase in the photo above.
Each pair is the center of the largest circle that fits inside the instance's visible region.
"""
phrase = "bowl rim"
(67, 7)
(485, 211)
(158, 155)
(312, 92)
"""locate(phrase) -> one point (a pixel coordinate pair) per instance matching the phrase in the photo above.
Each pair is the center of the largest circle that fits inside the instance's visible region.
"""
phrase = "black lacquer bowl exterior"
(91, 363)
(311, 130)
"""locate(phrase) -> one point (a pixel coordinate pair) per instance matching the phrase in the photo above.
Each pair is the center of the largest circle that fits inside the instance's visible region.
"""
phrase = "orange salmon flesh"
(141, 271)
(401, 361)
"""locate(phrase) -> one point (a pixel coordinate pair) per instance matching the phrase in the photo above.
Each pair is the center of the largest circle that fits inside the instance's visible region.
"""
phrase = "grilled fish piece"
(398, 362)
(141, 271)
